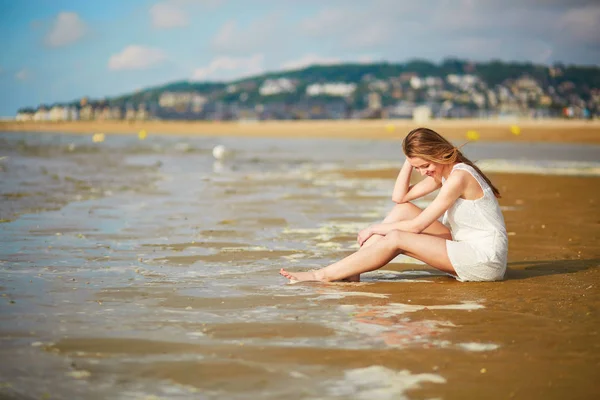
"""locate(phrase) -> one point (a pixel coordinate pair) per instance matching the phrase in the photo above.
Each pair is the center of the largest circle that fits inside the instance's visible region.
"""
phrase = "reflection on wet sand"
(394, 329)
(235, 255)
(155, 275)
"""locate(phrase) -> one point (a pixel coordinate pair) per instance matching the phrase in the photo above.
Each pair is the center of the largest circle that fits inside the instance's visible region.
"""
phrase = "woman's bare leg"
(407, 211)
(427, 248)
(403, 212)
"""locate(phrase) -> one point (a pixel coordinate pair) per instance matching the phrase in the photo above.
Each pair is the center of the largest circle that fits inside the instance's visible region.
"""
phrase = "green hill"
(584, 78)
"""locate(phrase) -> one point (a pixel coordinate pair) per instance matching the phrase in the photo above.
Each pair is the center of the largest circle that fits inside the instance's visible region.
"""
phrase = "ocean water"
(148, 269)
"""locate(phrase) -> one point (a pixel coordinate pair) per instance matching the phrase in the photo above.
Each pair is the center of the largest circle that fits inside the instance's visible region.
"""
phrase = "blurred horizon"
(62, 50)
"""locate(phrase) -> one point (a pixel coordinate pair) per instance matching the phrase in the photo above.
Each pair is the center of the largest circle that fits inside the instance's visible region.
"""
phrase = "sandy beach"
(558, 131)
(156, 272)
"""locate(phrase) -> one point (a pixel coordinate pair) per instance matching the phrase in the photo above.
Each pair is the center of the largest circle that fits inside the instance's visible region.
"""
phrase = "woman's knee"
(371, 241)
(394, 239)
(403, 211)
(405, 207)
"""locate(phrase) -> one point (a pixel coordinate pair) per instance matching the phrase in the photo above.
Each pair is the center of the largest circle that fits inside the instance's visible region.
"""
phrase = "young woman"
(471, 244)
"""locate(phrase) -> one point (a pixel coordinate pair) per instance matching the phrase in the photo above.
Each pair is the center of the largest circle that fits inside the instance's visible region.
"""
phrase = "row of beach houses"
(86, 113)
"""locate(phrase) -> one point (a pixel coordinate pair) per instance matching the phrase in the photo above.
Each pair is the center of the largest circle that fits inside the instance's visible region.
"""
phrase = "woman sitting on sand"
(471, 244)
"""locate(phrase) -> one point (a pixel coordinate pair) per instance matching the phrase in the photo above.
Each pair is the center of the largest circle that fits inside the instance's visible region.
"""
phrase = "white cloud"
(328, 21)
(208, 3)
(226, 34)
(167, 15)
(353, 27)
(582, 23)
(136, 57)
(225, 67)
(67, 28)
(22, 75)
(435, 29)
(372, 35)
(314, 59)
(367, 59)
(260, 35)
(308, 60)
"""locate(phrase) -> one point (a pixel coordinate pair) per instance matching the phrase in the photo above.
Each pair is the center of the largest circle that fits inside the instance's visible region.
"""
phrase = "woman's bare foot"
(353, 278)
(299, 276)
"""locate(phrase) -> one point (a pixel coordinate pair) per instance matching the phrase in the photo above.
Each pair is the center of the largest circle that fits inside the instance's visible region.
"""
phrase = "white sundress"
(479, 245)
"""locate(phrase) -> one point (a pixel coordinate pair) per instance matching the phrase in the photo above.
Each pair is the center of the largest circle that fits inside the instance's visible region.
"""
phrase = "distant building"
(463, 82)
(339, 89)
(379, 85)
(130, 112)
(433, 81)
(402, 109)
(421, 114)
(86, 113)
(41, 114)
(247, 114)
(276, 86)
(527, 83)
(478, 99)
(492, 99)
(397, 93)
(58, 113)
(73, 113)
(182, 101)
(25, 115)
(416, 82)
(374, 101)
(102, 113)
(142, 112)
(116, 113)
(545, 100)
(407, 76)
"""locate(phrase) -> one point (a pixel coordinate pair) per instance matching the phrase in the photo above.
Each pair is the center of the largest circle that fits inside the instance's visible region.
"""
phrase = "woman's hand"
(364, 235)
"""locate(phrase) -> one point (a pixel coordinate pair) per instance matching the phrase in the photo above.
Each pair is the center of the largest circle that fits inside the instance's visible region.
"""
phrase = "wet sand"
(173, 292)
(557, 131)
(543, 318)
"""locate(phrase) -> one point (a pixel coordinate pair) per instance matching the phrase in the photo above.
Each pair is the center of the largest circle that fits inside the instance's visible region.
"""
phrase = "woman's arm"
(450, 192)
(403, 192)
(401, 187)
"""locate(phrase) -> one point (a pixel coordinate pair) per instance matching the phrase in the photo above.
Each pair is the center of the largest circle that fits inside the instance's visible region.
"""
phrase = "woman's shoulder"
(457, 180)
(461, 166)
(459, 175)
(464, 169)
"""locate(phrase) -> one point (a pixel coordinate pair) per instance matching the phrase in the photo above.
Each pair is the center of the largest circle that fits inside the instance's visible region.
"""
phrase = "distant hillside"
(452, 88)
(492, 73)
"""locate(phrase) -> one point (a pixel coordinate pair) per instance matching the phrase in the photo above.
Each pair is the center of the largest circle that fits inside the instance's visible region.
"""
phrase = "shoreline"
(557, 131)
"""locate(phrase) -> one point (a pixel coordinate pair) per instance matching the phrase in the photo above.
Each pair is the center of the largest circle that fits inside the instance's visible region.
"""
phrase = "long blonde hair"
(431, 146)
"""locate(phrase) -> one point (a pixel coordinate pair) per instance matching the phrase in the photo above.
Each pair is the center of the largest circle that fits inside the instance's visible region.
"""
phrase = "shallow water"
(135, 268)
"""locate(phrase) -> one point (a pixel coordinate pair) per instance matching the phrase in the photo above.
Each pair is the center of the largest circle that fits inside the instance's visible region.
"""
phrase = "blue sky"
(58, 50)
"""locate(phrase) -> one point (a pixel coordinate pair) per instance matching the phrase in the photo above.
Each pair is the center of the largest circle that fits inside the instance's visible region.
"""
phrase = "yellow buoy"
(98, 137)
(515, 130)
(390, 127)
(142, 134)
(472, 135)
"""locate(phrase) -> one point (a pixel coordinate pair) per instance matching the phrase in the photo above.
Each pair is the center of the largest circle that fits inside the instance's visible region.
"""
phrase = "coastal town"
(329, 92)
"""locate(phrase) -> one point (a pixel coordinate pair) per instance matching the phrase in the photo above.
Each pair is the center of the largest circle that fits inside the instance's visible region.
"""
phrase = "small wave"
(576, 168)
(521, 166)
(379, 382)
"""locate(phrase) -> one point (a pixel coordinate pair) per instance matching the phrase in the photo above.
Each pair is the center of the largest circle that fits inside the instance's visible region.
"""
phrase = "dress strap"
(465, 167)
